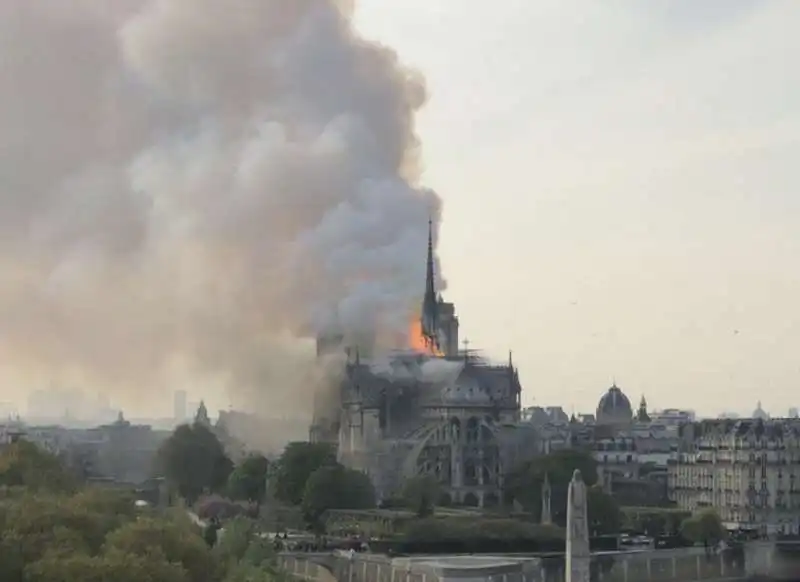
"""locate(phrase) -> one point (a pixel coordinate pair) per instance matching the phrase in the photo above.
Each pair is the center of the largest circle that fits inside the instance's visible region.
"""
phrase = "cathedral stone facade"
(436, 412)
(419, 415)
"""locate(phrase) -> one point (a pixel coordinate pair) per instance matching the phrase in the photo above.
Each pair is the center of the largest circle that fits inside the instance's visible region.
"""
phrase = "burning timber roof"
(434, 381)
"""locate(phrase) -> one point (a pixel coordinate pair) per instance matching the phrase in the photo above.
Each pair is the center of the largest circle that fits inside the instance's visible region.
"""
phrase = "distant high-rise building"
(793, 413)
(179, 406)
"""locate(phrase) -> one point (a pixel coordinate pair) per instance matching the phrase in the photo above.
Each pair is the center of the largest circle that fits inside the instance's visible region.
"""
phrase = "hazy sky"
(620, 190)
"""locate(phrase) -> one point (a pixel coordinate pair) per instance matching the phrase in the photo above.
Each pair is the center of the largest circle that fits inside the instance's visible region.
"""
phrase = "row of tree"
(308, 477)
(524, 486)
(55, 529)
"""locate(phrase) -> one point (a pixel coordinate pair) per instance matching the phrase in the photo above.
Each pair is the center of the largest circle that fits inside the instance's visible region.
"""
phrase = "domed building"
(614, 408)
(760, 413)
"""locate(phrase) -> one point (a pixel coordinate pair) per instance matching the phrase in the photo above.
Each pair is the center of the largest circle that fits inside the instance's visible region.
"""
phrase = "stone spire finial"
(546, 518)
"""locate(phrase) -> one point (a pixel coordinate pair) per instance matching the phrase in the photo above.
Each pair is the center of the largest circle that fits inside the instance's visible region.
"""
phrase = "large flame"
(418, 342)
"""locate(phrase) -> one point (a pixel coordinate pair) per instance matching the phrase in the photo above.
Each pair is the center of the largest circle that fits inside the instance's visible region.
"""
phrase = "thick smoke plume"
(190, 185)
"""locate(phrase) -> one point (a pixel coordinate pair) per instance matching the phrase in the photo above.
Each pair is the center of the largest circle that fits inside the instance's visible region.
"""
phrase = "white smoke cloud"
(188, 183)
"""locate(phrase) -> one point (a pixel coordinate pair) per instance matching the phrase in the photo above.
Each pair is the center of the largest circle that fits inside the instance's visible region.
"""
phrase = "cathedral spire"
(430, 305)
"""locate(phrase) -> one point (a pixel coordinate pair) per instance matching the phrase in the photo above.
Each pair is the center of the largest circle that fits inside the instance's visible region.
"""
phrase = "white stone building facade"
(748, 470)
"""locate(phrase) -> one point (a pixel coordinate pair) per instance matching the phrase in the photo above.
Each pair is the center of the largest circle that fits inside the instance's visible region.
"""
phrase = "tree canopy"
(704, 527)
(194, 461)
(524, 484)
(604, 514)
(248, 481)
(458, 529)
(336, 487)
(23, 464)
(420, 495)
(654, 521)
(59, 532)
(298, 461)
(97, 535)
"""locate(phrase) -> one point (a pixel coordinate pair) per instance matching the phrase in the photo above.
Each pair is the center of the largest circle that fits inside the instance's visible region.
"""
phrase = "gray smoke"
(190, 185)
(431, 370)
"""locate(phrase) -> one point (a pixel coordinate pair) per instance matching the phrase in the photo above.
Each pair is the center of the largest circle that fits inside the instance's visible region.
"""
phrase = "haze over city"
(617, 203)
(619, 191)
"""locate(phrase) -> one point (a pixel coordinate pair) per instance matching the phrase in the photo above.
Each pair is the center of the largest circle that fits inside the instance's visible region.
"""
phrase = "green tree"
(97, 535)
(524, 483)
(239, 532)
(463, 529)
(335, 487)
(243, 545)
(421, 494)
(35, 523)
(114, 565)
(298, 461)
(178, 542)
(654, 521)
(193, 460)
(604, 514)
(250, 556)
(248, 481)
(704, 526)
(24, 464)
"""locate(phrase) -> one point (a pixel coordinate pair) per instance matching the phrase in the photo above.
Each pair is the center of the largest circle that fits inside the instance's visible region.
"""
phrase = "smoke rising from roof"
(189, 185)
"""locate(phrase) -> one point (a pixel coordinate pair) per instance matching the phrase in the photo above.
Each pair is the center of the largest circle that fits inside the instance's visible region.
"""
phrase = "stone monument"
(578, 555)
(547, 517)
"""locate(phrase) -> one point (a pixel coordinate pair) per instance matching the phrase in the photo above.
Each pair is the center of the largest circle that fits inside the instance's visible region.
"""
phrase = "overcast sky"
(621, 191)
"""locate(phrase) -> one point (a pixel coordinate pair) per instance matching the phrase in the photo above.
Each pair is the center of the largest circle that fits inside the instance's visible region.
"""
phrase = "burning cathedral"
(429, 410)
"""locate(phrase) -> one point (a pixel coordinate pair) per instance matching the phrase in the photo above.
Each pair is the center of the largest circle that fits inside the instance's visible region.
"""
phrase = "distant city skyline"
(55, 403)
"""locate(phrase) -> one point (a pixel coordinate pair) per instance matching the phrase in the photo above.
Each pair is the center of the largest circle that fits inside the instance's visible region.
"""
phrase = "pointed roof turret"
(120, 422)
(202, 415)
(642, 415)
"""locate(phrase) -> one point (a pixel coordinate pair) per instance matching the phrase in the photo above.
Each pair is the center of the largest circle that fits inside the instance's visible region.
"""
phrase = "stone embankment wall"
(686, 565)
(777, 561)
(683, 565)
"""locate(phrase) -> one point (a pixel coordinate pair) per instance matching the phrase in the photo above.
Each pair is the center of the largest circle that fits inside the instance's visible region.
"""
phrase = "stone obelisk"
(578, 556)
(547, 518)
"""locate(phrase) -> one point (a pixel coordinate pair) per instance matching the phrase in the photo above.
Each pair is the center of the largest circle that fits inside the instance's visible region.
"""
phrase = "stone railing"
(685, 565)
(774, 560)
(304, 567)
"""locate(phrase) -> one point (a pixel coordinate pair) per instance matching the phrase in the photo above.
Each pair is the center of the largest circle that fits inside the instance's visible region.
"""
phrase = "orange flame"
(418, 342)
